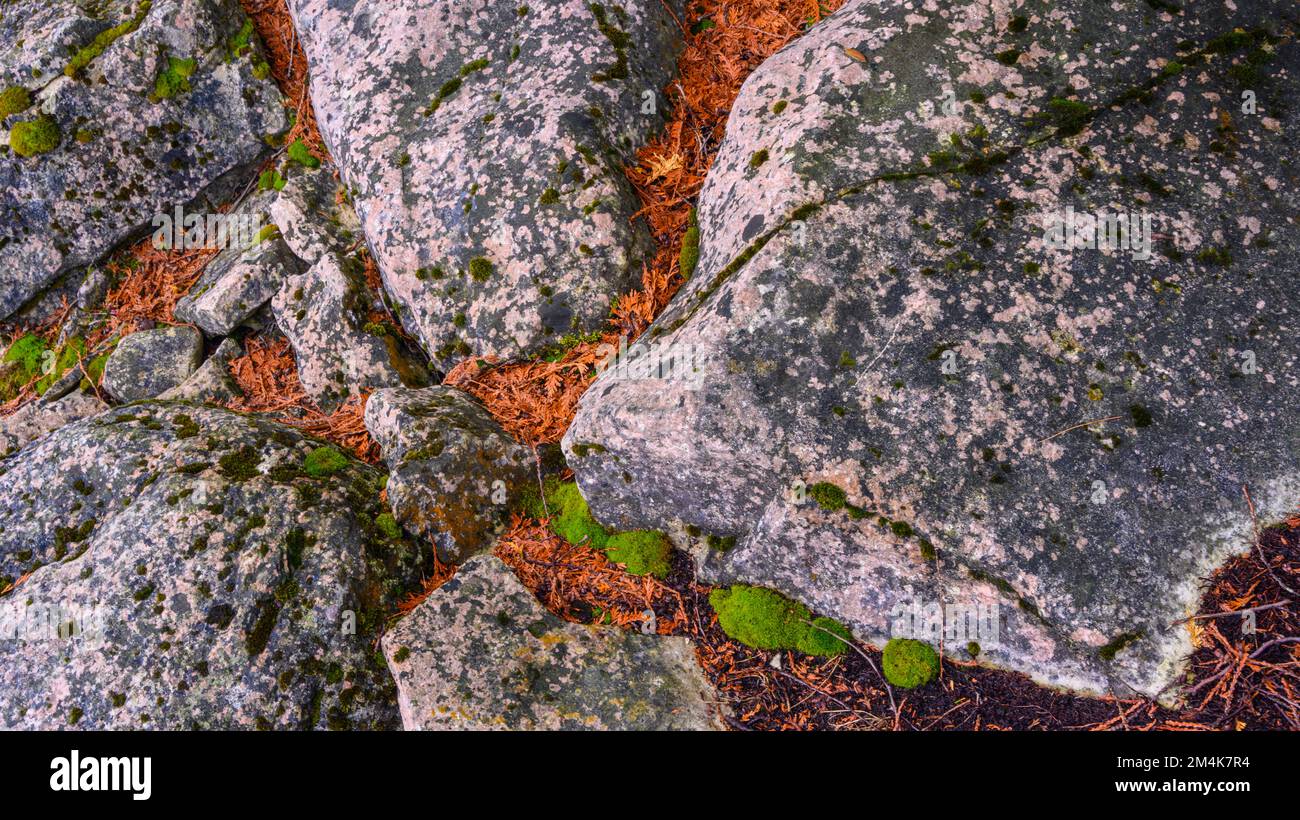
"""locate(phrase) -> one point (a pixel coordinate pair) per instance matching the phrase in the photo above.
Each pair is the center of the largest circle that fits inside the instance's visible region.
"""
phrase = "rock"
(212, 582)
(148, 363)
(323, 312)
(236, 284)
(53, 216)
(883, 333)
(212, 382)
(481, 653)
(487, 162)
(311, 218)
(35, 419)
(453, 472)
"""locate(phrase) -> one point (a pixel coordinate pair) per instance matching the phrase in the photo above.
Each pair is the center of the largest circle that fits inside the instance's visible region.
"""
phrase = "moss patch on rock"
(766, 619)
(14, 100)
(32, 137)
(324, 462)
(642, 552)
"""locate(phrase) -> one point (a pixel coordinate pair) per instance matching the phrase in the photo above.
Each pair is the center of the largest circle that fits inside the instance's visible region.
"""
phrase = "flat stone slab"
(482, 653)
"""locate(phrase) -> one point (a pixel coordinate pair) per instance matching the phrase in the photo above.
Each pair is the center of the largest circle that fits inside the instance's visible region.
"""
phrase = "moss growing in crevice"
(689, 256)
(642, 552)
(618, 38)
(766, 619)
(1117, 644)
(103, 40)
(174, 79)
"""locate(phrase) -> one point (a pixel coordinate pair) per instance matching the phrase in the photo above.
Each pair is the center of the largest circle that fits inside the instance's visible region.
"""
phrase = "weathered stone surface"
(481, 653)
(150, 362)
(323, 312)
(212, 382)
(236, 284)
(487, 160)
(35, 419)
(453, 472)
(121, 158)
(876, 308)
(310, 217)
(221, 577)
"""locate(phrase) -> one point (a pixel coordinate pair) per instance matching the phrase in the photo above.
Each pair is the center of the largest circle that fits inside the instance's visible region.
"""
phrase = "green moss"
(1018, 24)
(239, 465)
(908, 664)
(779, 106)
(28, 353)
(31, 137)
(1008, 57)
(299, 153)
(270, 179)
(401, 654)
(481, 269)
(174, 79)
(103, 40)
(689, 256)
(570, 516)
(67, 357)
(14, 100)
(758, 158)
(618, 38)
(643, 552)
(324, 462)
(1068, 116)
(242, 42)
(765, 619)
(387, 524)
(1141, 416)
(828, 496)
(549, 197)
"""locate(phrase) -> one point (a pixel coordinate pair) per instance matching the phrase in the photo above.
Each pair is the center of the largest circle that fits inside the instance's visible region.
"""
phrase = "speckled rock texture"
(236, 284)
(35, 419)
(150, 362)
(484, 142)
(878, 309)
(481, 653)
(121, 158)
(211, 581)
(324, 314)
(212, 383)
(310, 216)
(453, 472)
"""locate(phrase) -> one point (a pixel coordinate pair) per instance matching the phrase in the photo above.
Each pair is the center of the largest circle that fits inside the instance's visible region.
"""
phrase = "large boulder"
(150, 362)
(484, 143)
(453, 472)
(201, 569)
(904, 393)
(143, 106)
(482, 653)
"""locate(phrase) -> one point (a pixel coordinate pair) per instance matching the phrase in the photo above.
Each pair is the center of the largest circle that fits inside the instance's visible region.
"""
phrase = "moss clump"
(14, 100)
(481, 269)
(387, 524)
(1118, 644)
(828, 496)
(758, 158)
(32, 137)
(779, 106)
(24, 360)
(68, 356)
(765, 619)
(643, 552)
(618, 38)
(1069, 116)
(1008, 57)
(690, 253)
(299, 153)
(173, 79)
(324, 462)
(908, 664)
(105, 39)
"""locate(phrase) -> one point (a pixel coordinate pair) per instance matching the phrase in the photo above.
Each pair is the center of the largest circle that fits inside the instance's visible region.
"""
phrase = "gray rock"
(486, 162)
(323, 313)
(150, 362)
(876, 308)
(121, 158)
(212, 583)
(236, 284)
(481, 653)
(212, 382)
(453, 472)
(309, 215)
(35, 419)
